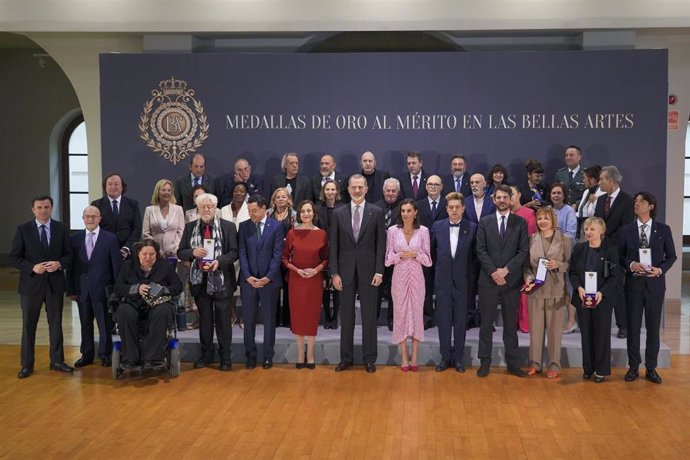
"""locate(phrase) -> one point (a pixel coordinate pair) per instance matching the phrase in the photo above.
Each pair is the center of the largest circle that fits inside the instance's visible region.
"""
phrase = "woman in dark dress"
(143, 272)
(599, 255)
(305, 255)
(329, 200)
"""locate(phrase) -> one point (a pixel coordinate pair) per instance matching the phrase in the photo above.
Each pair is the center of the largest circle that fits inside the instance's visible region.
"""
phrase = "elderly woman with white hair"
(210, 244)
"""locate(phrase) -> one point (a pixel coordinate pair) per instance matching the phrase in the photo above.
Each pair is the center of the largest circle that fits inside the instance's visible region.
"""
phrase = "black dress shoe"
(587, 375)
(653, 376)
(62, 367)
(342, 366)
(484, 369)
(225, 367)
(631, 375)
(442, 366)
(517, 372)
(106, 362)
(200, 363)
(82, 362)
(24, 372)
(622, 333)
(390, 325)
(599, 378)
(251, 364)
(300, 365)
(268, 364)
(459, 368)
(370, 368)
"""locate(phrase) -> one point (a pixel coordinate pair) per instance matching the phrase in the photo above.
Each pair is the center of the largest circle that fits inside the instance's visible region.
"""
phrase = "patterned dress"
(407, 284)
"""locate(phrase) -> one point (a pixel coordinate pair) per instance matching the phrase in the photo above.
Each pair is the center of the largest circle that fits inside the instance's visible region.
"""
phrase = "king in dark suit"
(40, 251)
(502, 248)
(119, 215)
(645, 284)
(95, 265)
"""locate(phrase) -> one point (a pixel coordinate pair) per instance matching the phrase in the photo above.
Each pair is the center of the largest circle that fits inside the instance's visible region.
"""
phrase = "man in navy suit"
(96, 262)
(452, 249)
(242, 173)
(645, 285)
(261, 250)
(119, 215)
(502, 247)
(197, 176)
(413, 182)
(40, 251)
(458, 179)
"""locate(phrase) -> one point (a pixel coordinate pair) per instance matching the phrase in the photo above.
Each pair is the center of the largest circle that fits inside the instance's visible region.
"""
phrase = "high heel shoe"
(300, 365)
(405, 368)
(310, 366)
(414, 367)
(571, 329)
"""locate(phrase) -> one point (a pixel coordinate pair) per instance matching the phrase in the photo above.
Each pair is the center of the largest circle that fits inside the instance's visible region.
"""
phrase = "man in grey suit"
(502, 247)
(357, 249)
(572, 175)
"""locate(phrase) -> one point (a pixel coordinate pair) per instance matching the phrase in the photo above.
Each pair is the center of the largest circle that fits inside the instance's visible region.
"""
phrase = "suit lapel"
(462, 233)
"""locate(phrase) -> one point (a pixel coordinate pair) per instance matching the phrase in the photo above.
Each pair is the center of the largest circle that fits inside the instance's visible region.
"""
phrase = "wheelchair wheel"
(116, 358)
(174, 362)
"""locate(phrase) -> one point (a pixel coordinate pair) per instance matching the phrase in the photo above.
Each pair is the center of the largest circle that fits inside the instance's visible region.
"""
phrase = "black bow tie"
(455, 225)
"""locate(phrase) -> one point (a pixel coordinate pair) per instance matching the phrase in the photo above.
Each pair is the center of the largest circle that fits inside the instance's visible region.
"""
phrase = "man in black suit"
(197, 176)
(413, 183)
(357, 249)
(617, 209)
(119, 215)
(96, 262)
(502, 247)
(375, 177)
(457, 180)
(645, 284)
(242, 173)
(40, 251)
(299, 185)
(327, 171)
(431, 209)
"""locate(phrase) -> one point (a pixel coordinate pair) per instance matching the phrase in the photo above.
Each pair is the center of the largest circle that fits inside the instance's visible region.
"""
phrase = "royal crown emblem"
(173, 123)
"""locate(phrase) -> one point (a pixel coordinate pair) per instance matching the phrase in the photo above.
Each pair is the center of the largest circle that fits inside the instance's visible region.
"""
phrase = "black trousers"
(31, 312)
(88, 311)
(384, 292)
(330, 317)
(251, 298)
(152, 347)
(640, 299)
(451, 319)
(619, 304)
(489, 298)
(283, 303)
(595, 329)
(215, 314)
(429, 292)
(368, 296)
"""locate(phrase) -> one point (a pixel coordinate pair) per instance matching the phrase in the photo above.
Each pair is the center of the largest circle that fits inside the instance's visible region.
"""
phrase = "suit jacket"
(303, 187)
(663, 253)
(88, 278)
(364, 255)
(27, 251)
(607, 272)
(424, 215)
(527, 195)
(576, 186)
(322, 212)
(261, 258)
(226, 261)
(511, 252)
(449, 184)
(622, 212)
(395, 209)
(341, 183)
(406, 185)
(183, 189)
(452, 271)
(131, 275)
(375, 184)
(559, 250)
(488, 207)
(224, 183)
(128, 225)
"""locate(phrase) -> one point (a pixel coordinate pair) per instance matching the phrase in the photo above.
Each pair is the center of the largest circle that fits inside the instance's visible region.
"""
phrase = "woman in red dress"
(305, 255)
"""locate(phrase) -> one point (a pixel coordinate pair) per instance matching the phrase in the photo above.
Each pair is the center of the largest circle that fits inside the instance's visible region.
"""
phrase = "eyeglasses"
(433, 185)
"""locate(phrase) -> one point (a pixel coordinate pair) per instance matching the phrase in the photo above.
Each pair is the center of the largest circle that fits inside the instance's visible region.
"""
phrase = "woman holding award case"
(593, 271)
(545, 271)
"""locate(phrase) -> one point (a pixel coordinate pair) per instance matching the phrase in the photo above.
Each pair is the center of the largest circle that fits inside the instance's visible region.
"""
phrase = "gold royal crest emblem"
(173, 123)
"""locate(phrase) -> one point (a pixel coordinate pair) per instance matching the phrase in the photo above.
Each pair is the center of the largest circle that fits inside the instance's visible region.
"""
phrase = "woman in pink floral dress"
(407, 247)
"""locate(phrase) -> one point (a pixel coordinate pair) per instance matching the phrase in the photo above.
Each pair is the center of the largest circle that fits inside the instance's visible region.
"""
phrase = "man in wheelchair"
(146, 284)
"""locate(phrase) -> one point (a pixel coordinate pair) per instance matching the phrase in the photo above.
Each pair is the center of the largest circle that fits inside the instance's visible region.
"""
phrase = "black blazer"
(131, 274)
(375, 184)
(449, 184)
(395, 210)
(87, 279)
(406, 185)
(128, 225)
(607, 273)
(425, 211)
(341, 183)
(224, 183)
(526, 194)
(663, 253)
(27, 251)
(303, 188)
(183, 190)
(494, 253)
(226, 260)
(324, 221)
(622, 212)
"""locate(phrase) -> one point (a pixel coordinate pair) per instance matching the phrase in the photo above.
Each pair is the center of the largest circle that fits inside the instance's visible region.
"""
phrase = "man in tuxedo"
(119, 215)
(261, 250)
(299, 185)
(645, 284)
(327, 171)
(40, 251)
(457, 180)
(375, 177)
(357, 249)
(413, 183)
(95, 264)
(617, 209)
(242, 172)
(572, 175)
(502, 247)
(452, 249)
(197, 176)
(431, 209)
(390, 205)
(212, 278)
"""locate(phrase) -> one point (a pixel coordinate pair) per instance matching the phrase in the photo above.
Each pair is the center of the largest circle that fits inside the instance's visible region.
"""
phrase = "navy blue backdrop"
(502, 107)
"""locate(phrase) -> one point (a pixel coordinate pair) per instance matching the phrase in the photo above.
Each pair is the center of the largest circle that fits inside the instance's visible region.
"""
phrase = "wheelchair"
(172, 362)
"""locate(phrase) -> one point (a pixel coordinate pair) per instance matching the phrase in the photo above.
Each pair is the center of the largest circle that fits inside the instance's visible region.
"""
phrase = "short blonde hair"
(590, 221)
(276, 191)
(155, 198)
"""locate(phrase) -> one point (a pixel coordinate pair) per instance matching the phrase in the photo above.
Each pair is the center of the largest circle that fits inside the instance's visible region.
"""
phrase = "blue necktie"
(502, 232)
(44, 237)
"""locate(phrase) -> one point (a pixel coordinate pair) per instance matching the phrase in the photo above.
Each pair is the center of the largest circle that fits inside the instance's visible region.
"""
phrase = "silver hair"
(206, 197)
(613, 173)
(392, 180)
(283, 161)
